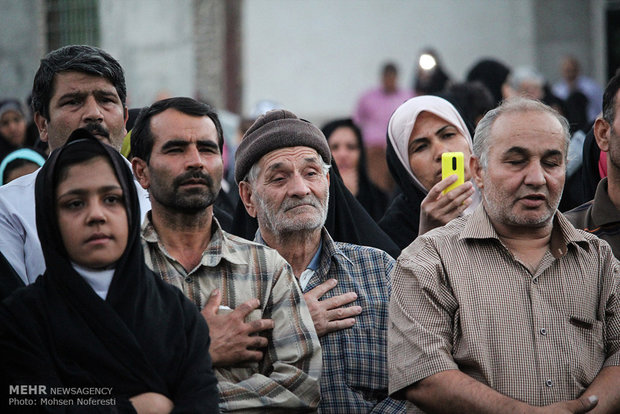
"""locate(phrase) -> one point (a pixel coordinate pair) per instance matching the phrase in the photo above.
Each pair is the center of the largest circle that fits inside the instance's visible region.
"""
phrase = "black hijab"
(581, 186)
(402, 219)
(368, 194)
(492, 74)
(9, 279)
(347, 221)
(144, 337)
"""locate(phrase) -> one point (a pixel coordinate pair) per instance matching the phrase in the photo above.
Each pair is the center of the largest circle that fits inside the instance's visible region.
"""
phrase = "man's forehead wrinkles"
(290, 156)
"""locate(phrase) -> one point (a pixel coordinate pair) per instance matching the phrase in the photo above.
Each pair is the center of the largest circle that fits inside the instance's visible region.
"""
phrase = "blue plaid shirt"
(355, 377)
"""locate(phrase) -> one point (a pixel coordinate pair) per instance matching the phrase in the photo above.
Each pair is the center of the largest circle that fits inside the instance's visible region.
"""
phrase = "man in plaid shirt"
(264, 348)
(282, 167)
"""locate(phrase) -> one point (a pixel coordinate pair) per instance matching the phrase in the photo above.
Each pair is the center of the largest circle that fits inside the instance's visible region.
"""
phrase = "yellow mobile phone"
(453, 163)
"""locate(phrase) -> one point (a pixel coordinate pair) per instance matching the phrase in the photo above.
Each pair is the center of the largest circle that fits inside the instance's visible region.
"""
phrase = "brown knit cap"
(274, 130)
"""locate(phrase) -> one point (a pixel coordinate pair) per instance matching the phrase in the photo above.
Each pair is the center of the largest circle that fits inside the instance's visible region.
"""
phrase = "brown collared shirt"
(288, 375)
(461, 300)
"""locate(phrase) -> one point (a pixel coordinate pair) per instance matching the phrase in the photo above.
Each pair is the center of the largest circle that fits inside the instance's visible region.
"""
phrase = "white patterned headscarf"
(402, 123)
(403, 120)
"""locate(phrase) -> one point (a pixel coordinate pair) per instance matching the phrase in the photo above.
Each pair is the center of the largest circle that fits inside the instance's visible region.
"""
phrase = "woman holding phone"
(419, 131)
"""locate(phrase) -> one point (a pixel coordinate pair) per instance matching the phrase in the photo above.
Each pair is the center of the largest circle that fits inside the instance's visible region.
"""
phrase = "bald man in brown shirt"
(509, 310)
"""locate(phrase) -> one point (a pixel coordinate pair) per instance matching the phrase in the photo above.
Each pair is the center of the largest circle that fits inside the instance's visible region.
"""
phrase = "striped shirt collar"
(479, 226)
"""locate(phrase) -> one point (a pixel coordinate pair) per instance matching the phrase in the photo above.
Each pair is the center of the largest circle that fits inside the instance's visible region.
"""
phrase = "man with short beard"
(510, 309)
(601, 216)
(282, 168)
(264, 348)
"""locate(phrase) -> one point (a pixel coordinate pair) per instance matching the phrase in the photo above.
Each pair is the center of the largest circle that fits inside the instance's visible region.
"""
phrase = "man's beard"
(189, 201)
(613, 156)
(279, 224)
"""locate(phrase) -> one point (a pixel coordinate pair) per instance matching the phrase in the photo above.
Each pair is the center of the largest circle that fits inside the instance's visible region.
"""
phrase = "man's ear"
(476, 170)
(126, 110)
(245, 194)
(141, 172)
(41, 124)
(602, 130)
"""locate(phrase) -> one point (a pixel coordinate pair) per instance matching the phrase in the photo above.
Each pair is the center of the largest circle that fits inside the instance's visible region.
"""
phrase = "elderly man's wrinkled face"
(291, 191)
(523, 181)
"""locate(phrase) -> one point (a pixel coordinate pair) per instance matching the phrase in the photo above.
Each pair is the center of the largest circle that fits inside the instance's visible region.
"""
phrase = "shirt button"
(535, 281)
(549, 383)
(188, 279)
(543, 331)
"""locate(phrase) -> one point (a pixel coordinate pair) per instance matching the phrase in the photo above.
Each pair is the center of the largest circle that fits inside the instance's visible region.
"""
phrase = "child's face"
(91, 214)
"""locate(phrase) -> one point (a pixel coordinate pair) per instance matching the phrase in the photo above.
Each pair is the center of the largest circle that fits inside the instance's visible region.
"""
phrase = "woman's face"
(432, 136)
(345, 149)
(13, 128)
(91, 214)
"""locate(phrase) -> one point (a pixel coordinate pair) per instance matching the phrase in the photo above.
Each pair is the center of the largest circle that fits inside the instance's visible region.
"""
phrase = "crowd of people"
(335, 273)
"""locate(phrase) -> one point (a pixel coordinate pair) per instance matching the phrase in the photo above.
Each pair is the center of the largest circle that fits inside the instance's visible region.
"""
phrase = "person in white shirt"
(74, 87)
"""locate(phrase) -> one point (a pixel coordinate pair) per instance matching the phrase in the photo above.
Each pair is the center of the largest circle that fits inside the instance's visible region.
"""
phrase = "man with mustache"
(264, 348)
(601, 216)
(510, 309)
(74, 87)
(282, 168)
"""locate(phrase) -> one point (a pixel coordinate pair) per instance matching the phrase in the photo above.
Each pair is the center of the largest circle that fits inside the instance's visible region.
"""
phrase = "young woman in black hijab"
(98, 318)
(345, 142)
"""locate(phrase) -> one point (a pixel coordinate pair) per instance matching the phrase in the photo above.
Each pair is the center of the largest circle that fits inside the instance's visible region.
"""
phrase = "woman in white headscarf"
(420, 130)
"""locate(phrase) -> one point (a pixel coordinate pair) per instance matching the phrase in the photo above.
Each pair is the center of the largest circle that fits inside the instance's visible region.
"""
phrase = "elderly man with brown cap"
(282, 168)
(265, 352)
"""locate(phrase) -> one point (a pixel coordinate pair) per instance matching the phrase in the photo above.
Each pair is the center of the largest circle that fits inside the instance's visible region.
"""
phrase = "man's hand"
(329, 315)
(581, 405)
(231, 340)
(151, 403)
(438, 209)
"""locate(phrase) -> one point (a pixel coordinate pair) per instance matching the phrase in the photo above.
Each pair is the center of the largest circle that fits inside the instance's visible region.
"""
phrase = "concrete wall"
(21, 46)
(570, 27)
(317, 56)
(313, 56)
(153, 41)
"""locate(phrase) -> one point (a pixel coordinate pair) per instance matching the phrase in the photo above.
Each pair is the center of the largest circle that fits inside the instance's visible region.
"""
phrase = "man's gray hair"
(482, 136)
(252, 175)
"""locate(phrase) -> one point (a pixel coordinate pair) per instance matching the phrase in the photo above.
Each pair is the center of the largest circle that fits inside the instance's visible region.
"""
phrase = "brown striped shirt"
(288, 375)
(461, 300)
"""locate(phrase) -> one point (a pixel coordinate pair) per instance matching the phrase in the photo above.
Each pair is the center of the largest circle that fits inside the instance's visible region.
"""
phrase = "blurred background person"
(420, 131)
(19, 163)
(492, 74)
(430, 77)
(573, 81)
(528, 82)
(472, 100)
(372, 115)
(12, 126)
(347, 148)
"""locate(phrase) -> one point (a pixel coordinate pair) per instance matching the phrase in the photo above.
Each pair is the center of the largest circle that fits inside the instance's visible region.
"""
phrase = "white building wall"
(153, 41)
(21, 46)
(315, 57)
